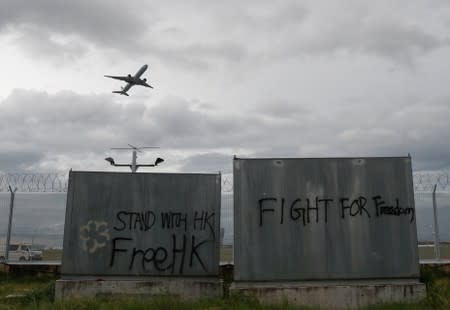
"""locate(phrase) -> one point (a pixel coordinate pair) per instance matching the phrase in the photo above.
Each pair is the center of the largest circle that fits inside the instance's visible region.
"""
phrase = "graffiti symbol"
(94, 235)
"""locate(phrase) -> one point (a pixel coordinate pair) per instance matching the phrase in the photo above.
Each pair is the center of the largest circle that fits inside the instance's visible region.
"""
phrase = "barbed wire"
(227, 184)
(425, 181)
(34, 182)
(56, 182)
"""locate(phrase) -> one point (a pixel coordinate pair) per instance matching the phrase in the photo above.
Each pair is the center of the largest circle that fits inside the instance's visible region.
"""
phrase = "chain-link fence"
(432, 193)
(39, 211)
(32, 209)
(34, 182)
(425, 181)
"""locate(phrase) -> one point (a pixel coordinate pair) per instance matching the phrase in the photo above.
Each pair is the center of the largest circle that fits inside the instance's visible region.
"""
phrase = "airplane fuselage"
(131, 80)
(127, 87)
(136, 79)
(140, 71)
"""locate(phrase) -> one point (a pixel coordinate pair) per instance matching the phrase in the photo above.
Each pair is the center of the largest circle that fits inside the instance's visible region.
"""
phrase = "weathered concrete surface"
(324, 218)
(141, 233)
(142, 224)
(333, 295)
(185, 288)
(32, 268)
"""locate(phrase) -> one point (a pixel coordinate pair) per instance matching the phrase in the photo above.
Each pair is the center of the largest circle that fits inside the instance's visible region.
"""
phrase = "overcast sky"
(246, 78)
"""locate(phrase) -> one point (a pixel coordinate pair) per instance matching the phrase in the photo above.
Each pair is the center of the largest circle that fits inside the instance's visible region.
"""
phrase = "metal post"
(11, 207)
(437, 249)
(133, 162)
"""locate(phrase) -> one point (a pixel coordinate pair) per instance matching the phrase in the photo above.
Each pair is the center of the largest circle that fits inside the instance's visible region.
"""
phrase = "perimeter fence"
(38, 213)
(34, 182)
(40, 198)
(432, 192)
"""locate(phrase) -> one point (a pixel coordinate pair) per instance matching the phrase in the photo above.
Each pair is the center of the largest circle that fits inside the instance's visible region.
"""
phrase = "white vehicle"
(19, 251)
(131, 81)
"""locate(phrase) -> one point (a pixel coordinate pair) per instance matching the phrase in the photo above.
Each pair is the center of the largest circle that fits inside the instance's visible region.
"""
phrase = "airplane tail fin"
(121, 92)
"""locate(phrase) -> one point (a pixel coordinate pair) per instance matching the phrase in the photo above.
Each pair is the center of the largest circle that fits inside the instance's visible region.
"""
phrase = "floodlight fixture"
(158, 161)
(110, 160)
(134, 166)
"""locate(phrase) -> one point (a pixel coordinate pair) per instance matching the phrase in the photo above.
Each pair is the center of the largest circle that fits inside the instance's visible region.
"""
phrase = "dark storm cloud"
(287, 150)
(262, 17)
(183, 126)
(41, 45)
(70, 127)
(99, 20)
(197, 55)
(209, 163)
(229, 33)
(281, 109)
(274, 31)
(70, 124)
(388, 40)
(418, 126)
(66, 30)
(66, 122)
(13, 161)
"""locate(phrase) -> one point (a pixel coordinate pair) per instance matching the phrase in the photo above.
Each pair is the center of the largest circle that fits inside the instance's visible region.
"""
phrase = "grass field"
(428, 252)
(25, 292)
(52, 254)
(226, 254)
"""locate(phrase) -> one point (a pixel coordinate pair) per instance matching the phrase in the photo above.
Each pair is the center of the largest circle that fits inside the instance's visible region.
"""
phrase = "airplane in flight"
(131, 81)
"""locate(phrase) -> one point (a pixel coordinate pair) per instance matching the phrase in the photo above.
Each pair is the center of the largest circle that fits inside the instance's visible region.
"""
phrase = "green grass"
(428, 252)
(236, 302)
(226, 253)
(52, 254)
(22, 285)
(37, 293)
(417, 306)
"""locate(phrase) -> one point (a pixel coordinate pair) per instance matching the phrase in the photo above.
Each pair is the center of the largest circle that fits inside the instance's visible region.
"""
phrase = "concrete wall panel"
(142, 224)
(335, 218)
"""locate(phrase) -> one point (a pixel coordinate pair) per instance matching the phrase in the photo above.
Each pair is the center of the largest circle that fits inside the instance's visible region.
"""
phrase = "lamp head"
(158, 161)
(110, 160)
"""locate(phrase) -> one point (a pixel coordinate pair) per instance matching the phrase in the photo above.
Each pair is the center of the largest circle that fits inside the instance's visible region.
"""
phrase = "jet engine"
(129, 75)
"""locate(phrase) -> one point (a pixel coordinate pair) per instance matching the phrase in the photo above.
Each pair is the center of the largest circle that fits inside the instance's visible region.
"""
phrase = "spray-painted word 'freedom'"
(309, 210)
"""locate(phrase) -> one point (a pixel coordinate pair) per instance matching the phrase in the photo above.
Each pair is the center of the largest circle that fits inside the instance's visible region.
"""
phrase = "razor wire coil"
(57, 182)
(426, 181)
(34, 182)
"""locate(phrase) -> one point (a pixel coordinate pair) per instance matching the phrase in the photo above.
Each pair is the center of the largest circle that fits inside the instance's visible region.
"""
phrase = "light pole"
(437, 245)
(34, 234)
(134, 166)
(11, 209)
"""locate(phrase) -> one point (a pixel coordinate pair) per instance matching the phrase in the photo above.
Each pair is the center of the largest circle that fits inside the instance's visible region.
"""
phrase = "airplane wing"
(122, 78)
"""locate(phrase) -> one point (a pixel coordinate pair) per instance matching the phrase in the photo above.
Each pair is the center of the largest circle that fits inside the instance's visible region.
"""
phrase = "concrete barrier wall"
(324, 219)
(123, 224)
